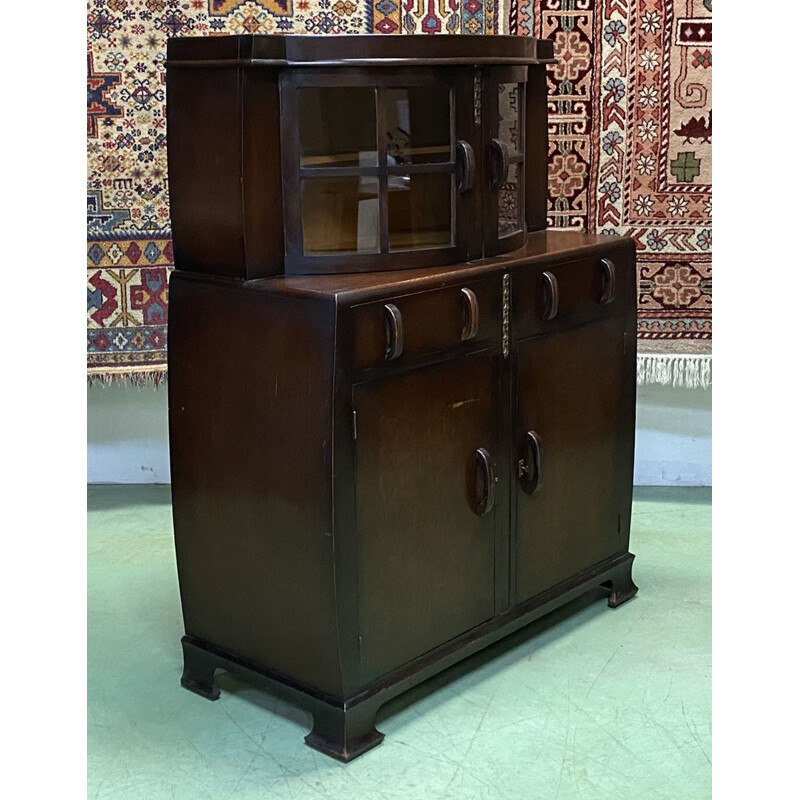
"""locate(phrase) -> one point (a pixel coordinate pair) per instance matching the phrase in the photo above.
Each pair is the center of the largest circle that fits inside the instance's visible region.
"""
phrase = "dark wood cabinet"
(383, 461)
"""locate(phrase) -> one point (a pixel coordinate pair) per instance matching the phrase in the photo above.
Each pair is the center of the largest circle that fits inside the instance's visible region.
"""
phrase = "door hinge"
(625, 343)
(360, 657)
(355, 425)
(506, 313)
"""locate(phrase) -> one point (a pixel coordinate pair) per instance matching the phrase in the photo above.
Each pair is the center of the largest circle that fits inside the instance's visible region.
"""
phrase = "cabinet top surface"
(357, 50)
(352, 287)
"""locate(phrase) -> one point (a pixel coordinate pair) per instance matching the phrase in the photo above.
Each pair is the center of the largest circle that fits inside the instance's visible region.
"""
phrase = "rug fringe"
(684, 371)
(152, 378)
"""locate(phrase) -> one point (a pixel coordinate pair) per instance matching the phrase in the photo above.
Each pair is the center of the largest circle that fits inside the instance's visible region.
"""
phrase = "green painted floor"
(589, 704)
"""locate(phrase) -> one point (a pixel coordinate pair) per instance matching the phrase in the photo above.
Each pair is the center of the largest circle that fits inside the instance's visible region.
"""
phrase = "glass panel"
(420, 211)
(509, 206)
(418, 125)
(337, 126)
(341, 215)
(508, 105)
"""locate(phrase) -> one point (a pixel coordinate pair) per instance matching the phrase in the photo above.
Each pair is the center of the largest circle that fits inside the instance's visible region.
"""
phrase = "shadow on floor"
(501, 654)
(110, 496)
(479, 667)
(690, 495)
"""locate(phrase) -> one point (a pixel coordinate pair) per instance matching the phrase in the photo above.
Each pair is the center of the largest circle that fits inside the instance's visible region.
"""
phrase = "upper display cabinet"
(307, 154)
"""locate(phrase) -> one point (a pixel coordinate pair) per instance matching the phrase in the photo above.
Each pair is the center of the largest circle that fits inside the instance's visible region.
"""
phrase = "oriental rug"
(630, 155)
(630, 149)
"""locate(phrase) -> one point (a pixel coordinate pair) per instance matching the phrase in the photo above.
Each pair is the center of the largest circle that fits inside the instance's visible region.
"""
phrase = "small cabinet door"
(574, 463)
(377, 168)
(426, 486)
(504, 159)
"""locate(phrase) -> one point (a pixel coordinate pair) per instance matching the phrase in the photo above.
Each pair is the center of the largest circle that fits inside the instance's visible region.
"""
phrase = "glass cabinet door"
(371, 169)
(505, 153)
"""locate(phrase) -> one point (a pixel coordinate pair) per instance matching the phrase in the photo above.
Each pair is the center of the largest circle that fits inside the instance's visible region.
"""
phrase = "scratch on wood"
(464, 402)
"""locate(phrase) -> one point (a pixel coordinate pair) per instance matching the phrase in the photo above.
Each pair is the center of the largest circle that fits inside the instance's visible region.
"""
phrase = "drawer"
(569, 293)
(396, 329)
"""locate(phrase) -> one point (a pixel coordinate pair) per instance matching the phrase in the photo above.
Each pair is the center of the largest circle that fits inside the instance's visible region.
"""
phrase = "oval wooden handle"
(499, 163)
(394, 331)
(485, 467)
(550, 284)
(609, 281)
(530, 467)
(470, 329)
(465, 166)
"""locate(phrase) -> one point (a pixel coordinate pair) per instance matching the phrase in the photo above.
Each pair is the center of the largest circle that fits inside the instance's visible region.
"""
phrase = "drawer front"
(397, 329)
(572, 292)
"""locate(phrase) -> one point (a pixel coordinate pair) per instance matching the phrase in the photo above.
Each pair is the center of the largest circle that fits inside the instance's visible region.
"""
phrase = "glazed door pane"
(575, 392)
(504, 123)
(421, 213)
(509, 116)
(511, 201)
(340, 215)
(419, 126)
(330, 138)
(425, 555)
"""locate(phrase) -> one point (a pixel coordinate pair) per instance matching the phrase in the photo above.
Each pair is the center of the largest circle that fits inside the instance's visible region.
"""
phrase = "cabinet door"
(574, 438)
(426, 463)
(376, 168)
(504, 158)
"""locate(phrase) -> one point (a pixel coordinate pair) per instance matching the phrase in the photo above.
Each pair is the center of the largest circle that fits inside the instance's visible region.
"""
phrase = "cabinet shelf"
(358, 159)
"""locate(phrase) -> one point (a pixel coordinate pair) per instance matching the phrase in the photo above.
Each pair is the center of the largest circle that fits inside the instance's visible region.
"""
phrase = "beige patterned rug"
(630, 150)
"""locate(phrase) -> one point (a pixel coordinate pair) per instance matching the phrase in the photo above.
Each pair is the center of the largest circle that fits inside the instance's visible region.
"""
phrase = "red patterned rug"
(630, 149)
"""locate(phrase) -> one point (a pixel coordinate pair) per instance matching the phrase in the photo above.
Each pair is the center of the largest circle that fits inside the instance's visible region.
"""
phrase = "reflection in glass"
(508, 106)
(341, 215)
(420, 211)
(509, 206)
(337, 126)
(418, 125)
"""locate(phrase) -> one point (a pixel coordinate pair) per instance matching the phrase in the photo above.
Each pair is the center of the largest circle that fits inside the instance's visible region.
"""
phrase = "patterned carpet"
(630, 150)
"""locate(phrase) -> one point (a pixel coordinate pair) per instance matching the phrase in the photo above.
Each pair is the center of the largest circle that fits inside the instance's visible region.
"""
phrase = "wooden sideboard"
(401, 411)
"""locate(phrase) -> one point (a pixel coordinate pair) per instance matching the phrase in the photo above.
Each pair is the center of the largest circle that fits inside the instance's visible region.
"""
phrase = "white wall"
(673, 437)
(127, 436)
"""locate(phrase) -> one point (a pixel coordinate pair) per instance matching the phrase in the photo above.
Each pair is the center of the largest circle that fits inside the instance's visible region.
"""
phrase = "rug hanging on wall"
(630, 150)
